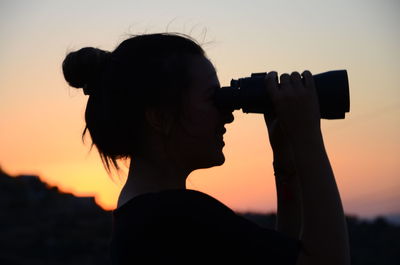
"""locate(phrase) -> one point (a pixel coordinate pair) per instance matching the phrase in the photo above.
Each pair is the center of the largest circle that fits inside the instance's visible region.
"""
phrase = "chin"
(217, 159)
(221, 160)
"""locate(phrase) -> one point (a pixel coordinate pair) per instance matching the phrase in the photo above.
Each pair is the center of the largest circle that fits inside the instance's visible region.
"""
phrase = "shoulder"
(171, 213)
(170, 223)
(185, 221)
(170, 204)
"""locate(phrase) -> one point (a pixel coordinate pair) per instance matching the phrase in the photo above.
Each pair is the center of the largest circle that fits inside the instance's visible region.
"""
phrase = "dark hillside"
(40, 225)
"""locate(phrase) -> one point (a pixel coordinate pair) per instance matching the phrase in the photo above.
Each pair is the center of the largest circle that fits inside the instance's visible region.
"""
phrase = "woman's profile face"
(201, 126)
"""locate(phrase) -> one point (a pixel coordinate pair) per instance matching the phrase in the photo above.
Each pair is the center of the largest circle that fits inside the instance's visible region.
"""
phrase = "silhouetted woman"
(151, 100)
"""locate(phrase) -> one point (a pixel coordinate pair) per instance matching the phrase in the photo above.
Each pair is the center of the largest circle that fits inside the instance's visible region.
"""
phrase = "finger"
(271, 82)
(284, 80)
(308, 79)
(285, 84)
(272, 90)
(295, 78)
(272, 79)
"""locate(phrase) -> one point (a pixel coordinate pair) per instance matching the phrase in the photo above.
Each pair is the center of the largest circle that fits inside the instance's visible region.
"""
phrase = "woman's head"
(150, 86)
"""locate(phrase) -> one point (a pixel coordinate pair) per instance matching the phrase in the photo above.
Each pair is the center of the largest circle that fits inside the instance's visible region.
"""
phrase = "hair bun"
(82, 67)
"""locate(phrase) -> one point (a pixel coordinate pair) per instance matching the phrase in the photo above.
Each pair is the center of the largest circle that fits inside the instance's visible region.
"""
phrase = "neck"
(146, 176)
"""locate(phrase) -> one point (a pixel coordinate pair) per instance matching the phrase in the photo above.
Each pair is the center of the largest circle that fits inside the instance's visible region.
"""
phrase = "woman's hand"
(294, 107)
(293, 117)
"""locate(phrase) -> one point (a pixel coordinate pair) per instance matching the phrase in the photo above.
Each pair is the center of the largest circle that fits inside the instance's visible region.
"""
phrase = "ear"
(160, 120)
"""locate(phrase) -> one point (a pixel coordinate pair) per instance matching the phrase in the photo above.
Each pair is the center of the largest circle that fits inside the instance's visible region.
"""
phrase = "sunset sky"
(42, 118)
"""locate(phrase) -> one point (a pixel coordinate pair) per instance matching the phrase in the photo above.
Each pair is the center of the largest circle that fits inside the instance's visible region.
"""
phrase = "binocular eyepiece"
(249, 94)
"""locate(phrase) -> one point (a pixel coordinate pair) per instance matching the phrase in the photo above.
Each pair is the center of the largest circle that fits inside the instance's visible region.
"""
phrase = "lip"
(221, 133)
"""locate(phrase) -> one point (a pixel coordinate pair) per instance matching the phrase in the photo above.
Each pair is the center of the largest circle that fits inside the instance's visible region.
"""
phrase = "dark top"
(190, 227)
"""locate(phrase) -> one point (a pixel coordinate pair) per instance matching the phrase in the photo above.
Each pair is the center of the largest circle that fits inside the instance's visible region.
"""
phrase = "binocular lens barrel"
(249, 94)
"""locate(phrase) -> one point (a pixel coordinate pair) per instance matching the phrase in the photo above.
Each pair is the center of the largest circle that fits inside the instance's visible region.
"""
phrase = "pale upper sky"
(41, 118)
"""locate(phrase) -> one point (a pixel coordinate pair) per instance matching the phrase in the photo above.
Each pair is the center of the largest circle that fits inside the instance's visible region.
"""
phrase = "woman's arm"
(287, 183)
(289, 206)
(324, 228)
(324, 231)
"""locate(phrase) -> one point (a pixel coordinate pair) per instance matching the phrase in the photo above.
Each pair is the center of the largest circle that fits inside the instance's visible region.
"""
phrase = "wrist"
(284, 172)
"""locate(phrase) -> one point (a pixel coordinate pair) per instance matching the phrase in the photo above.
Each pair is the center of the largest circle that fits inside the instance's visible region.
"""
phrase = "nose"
(227, 116)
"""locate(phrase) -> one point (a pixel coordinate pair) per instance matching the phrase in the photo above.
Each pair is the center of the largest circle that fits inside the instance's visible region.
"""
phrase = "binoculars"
(249, 94)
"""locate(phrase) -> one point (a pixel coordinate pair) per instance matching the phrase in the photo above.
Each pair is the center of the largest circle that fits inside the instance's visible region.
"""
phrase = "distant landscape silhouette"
(41, 225)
